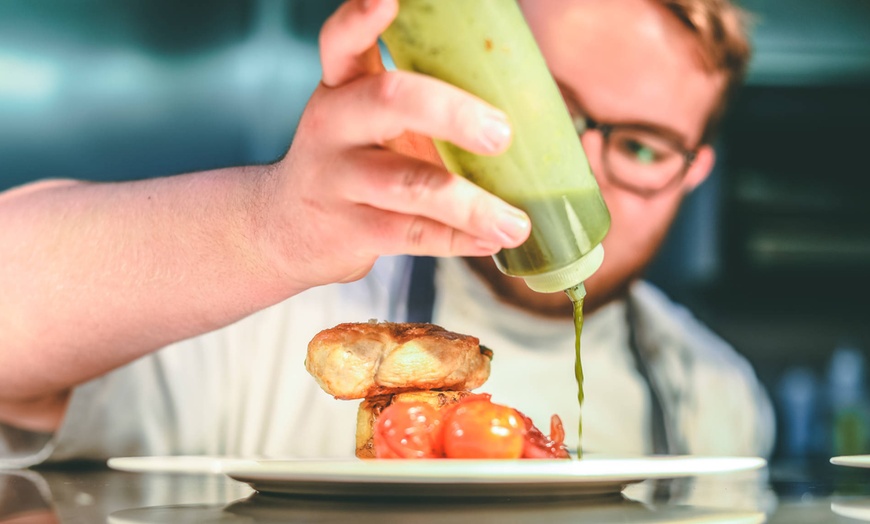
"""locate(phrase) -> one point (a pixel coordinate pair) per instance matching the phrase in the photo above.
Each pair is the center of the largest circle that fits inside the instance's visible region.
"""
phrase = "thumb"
(349, 38)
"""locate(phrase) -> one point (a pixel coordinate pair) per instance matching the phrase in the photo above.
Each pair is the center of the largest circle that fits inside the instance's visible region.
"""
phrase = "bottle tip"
(576, 292)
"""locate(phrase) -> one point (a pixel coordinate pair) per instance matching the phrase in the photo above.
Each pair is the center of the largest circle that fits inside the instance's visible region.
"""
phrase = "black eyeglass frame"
(606, 130)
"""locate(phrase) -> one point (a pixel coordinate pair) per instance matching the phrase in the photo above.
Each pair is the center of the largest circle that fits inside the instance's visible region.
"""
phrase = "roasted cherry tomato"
(408, 430)
(477, 428)
(538, 445)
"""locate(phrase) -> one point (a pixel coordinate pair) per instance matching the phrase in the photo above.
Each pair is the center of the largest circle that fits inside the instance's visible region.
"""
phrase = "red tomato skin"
(477, 428)
(408, 430)
(540, 446)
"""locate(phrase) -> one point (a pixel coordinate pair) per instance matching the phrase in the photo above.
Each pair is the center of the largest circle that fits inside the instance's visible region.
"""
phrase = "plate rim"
(444, 471)
(188, 464)
(589, 467)
(473, 471)
(849, 461)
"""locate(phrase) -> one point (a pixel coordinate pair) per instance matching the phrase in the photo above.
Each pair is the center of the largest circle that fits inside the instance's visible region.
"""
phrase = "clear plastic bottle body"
(485, 47)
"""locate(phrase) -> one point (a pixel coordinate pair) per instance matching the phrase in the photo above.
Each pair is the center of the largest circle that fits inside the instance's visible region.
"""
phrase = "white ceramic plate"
(444, 478)
(196, 465)
(855, 461)
(853, 508)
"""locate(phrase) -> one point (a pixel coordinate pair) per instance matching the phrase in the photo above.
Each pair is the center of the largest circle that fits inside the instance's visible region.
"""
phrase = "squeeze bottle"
(485, 48)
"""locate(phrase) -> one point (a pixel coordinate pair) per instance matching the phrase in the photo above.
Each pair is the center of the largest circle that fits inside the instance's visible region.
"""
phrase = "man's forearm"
(96, 275)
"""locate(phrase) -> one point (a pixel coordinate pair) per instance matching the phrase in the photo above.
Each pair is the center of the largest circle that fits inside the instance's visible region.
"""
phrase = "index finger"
(349, 40)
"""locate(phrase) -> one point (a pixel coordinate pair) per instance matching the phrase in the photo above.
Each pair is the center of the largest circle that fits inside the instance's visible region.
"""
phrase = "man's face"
(628, 62)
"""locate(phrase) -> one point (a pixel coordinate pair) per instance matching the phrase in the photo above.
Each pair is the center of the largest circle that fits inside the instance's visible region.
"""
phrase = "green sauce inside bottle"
(565, 227)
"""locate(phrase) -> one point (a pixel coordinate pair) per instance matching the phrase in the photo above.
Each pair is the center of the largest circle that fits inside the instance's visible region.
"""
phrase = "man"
(136, 267)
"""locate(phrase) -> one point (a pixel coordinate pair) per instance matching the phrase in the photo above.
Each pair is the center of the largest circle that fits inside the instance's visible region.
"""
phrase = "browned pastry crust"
(371, 408)
(360, 360)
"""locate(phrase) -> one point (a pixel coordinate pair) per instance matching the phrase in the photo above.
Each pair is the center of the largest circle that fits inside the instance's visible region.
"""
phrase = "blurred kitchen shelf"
(808, 42)
(792, 281)
(795, 194)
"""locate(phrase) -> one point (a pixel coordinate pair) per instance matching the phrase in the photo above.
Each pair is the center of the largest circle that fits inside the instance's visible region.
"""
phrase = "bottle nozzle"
(576, 293)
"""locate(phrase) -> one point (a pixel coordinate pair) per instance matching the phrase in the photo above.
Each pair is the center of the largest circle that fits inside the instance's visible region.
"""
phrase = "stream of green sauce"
(576, 294)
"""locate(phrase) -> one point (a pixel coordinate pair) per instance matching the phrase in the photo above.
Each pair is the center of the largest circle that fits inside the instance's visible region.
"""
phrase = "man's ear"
(700, 168)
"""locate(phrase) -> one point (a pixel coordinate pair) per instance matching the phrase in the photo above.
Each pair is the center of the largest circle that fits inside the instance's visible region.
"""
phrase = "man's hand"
(362, 178)
(95, 276)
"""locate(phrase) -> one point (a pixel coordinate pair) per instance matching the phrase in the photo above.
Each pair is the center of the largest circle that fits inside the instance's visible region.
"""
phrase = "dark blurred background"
(773, 251)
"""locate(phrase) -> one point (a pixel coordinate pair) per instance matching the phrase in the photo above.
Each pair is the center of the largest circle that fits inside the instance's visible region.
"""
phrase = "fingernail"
(495, 132)
(368, 5)
(513, 225)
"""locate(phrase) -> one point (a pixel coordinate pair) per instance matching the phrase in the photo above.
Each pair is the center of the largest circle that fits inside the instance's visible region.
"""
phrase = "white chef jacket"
(243, 390)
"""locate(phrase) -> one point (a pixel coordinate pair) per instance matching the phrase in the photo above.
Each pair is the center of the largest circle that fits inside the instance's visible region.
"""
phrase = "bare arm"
(96, 275)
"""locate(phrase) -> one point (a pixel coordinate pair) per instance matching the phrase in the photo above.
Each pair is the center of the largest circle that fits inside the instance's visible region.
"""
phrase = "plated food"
(415, 382)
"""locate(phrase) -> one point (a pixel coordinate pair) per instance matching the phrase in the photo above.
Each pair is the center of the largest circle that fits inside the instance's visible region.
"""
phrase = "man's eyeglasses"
(638, 158)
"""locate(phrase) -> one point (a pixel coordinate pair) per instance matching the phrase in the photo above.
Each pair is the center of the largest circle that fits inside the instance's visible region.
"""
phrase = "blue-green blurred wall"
(108, 89)
(119, 89)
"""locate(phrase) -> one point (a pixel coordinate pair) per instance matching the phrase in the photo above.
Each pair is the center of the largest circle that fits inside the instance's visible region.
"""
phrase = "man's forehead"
(627, 61)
